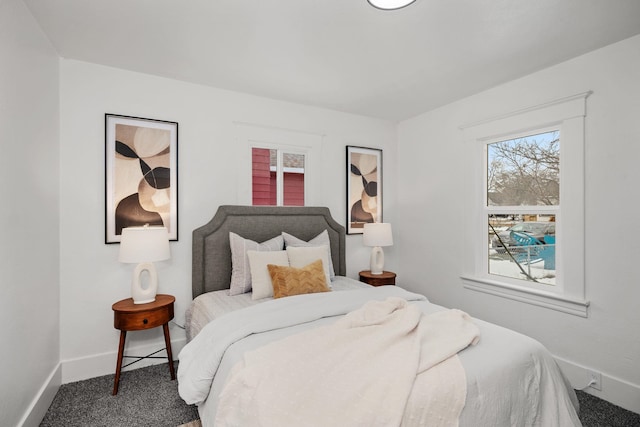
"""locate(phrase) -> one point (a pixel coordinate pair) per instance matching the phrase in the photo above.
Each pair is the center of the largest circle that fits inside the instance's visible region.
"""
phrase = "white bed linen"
(210, 305)
(320, 372)
(511, 379)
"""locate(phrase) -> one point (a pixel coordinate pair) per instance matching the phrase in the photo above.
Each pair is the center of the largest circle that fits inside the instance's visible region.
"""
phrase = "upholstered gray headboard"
(211, 264)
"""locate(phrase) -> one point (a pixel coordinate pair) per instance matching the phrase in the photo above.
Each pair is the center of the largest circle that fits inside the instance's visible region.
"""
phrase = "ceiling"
(338, 54)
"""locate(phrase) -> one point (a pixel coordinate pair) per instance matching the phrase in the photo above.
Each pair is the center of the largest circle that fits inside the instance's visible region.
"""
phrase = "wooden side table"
(386, 278)
(136, 317)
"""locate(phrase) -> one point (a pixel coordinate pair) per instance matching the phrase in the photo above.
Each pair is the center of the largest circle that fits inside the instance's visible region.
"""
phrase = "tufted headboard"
(211, 263)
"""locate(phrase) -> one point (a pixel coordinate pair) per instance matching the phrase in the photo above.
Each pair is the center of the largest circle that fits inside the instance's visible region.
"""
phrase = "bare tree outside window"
(524, 171)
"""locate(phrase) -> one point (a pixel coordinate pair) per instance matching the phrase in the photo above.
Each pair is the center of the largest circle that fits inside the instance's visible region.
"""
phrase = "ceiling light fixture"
(390, 4)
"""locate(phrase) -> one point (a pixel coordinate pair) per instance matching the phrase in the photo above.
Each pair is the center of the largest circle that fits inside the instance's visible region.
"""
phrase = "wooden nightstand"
(136, 317)
(386, 278)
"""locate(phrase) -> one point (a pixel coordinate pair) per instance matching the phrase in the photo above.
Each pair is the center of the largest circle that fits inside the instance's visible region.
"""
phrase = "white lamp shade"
(144, 244)
(377, 234)
(390, 4)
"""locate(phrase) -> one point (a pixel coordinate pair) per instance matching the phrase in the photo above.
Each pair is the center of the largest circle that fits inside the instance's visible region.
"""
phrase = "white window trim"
(566, 114)
(288, 140)
(288, 169)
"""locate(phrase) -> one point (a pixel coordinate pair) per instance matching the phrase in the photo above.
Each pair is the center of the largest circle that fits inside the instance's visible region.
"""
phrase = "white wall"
(430, 215)
(29, 272)
(91, 277)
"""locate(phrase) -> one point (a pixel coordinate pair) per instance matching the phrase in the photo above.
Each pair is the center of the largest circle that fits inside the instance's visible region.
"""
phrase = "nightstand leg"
(123, 335)
(167, 342)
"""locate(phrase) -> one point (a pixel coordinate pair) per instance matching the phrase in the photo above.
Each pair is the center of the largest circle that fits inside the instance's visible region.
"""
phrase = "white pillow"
(240, 271)
(302, 256)
(321, 239)
(260, 277)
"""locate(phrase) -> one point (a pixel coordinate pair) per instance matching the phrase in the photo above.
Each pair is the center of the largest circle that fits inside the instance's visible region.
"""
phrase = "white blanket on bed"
(200, 358)
(358, 371)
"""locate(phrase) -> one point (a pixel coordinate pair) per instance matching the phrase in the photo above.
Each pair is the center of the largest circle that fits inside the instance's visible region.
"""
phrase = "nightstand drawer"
(144, 319)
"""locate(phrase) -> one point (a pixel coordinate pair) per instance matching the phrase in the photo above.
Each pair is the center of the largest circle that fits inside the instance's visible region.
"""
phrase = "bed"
(243, 355)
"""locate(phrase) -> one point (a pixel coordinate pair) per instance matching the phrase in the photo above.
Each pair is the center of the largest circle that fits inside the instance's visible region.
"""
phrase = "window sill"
(562, 303)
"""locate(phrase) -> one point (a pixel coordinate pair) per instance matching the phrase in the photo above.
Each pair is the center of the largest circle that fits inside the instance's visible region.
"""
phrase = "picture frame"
(141, 175)
(364, 187)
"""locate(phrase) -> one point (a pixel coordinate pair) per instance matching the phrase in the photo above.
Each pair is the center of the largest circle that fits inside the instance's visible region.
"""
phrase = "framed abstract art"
(364, 187)
(141, 175)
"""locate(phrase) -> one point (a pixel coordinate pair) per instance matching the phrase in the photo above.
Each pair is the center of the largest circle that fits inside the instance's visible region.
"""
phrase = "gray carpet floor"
(596, 412)
(148, 398)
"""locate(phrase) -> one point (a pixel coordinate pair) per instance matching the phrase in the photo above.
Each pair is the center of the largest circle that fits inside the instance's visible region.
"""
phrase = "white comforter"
(339, 374)
(511, 379)
(200, 359)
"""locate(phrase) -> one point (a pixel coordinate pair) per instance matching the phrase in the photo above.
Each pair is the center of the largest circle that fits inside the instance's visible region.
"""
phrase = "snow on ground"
(508, 268)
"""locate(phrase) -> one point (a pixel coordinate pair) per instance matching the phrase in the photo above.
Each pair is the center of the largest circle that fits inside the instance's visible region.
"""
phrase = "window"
(522, 205)
(277, 177)
(278, 167)
(526, 218)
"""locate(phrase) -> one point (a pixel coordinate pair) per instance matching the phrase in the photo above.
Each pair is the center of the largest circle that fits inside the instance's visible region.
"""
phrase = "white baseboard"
(41, 402)
(614, 390)
(96, 365)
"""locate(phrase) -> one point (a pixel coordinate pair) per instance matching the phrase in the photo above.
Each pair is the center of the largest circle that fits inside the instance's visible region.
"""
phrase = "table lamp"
(377, 234)
(143, 245)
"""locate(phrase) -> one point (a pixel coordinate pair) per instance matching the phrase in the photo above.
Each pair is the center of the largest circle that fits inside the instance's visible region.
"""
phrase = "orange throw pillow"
(288, 281)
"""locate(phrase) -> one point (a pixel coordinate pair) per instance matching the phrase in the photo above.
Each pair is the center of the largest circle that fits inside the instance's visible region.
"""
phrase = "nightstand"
(136, 317)
(386, 278)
